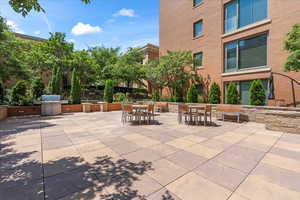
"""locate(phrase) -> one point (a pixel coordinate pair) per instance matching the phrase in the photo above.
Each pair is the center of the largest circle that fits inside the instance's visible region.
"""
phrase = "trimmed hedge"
(109, 91)
(257, 93)
(75, 88)
(37, 88)
(214, 96)
(233, 96)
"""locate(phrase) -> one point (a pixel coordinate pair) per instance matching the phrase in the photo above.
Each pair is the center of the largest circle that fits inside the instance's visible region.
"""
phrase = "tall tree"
(105, 59)
(292, 45)
(174, 70)
(129, 67)
(25, 6)
(37, 88)
(12, 55)
(85, 66)
(75, 89)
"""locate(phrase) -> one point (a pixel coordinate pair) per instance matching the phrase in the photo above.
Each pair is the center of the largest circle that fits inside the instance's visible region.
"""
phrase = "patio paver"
(93, 156)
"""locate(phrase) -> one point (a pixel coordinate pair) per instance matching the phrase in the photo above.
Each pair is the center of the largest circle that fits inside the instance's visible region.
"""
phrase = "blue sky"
(110, 23)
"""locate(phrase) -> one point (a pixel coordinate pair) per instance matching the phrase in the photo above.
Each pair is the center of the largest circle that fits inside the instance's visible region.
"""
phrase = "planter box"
(95, 108)
(23, 110)
(71, 108)
(3, 112)
(114, 106)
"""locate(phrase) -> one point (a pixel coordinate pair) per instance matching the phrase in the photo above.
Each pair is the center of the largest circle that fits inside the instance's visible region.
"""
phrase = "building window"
(245, 54)
(198, 28)
(198, 59)
(240, 13)
(197, 2)
(244, 91)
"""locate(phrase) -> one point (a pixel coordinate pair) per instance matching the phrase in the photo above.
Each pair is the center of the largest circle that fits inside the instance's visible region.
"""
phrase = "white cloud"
(37, 32)
(83, 29)
(14, 27)
(125, 13)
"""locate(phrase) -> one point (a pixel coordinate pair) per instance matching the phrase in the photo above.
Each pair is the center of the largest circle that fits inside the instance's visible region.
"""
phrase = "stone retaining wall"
(285, 119)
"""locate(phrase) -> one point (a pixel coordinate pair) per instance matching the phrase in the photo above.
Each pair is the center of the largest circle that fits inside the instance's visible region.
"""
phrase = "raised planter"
(3, 112)
(23, 110)
(87, 107)
(114, 106)
(95, 108)
(71, 108)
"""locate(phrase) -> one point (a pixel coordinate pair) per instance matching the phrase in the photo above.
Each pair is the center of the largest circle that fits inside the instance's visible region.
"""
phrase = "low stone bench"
(230, 110)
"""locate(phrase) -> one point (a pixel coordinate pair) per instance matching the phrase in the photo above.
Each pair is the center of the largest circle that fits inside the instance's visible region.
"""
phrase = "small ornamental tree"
(37, 88)
(257, 93)
(58, 80)
(214, 96)
(108, 91)
(18, 93)
(52, 81)
(155, 96)
(233, 96)
(1, 93)
(292, 45)
(192, 95)
(75, 88)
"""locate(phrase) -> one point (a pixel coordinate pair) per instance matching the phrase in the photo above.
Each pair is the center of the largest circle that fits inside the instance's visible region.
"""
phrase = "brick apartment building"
(237, 40)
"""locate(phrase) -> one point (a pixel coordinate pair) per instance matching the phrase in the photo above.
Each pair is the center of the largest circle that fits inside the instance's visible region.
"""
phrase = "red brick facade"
(176, 33)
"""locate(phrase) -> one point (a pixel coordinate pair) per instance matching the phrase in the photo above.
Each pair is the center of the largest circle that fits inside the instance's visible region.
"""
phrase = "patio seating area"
(95, 156)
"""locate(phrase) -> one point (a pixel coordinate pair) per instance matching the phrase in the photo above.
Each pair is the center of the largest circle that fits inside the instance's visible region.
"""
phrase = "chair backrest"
(150, 108)
(208, 108)
(127, 108)
(229, 108)
(183, 108)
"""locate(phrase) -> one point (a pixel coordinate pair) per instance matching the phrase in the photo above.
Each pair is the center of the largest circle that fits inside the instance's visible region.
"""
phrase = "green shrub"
(155, 96)
(55, 83)
(52, 81)
(192, 95)
(177, 97)
(75, 88)
(121, 97)
(257, 93)
(18, 95)
(214, 96)
(233, 96)
(37, 88)
(108, 91)
(1, 93)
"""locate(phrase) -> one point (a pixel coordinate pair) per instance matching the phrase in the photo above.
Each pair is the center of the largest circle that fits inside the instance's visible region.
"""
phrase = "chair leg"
(238, 118)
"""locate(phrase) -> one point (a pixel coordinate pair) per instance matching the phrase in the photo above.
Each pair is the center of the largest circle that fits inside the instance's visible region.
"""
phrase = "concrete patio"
(93, 156)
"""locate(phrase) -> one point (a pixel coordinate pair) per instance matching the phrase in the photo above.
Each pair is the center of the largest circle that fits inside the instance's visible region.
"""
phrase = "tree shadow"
(23, 175)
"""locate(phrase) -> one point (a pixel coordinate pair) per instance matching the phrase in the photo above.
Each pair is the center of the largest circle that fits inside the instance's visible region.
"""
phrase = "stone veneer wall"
(3, 112)
(284, 119)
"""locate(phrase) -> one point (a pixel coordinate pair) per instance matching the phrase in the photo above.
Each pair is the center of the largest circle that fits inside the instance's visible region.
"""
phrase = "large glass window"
(198, 28)
(239, 13)
(198, 59)
(244, 54)
(197, 2)
(244, 90)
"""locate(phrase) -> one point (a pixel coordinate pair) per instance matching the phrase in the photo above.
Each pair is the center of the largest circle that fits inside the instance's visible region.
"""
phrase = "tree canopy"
(174, 70)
